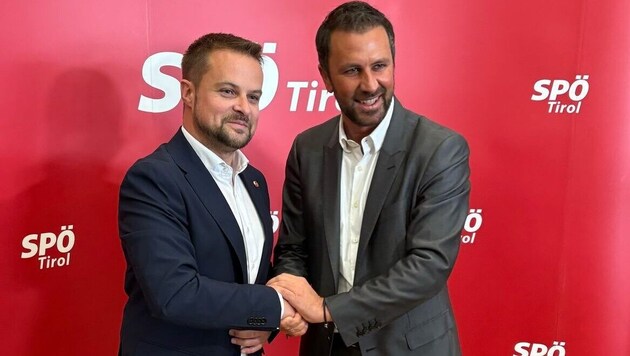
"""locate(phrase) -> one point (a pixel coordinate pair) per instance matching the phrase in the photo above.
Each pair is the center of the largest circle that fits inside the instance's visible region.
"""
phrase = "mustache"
(236, 117)
(367, 96)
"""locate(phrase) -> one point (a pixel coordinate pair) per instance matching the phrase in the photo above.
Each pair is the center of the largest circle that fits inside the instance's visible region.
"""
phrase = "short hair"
(195, 61)
(353, 16)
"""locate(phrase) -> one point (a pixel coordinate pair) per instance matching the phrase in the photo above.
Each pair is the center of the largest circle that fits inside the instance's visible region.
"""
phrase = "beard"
(368, 118)
(222, 134)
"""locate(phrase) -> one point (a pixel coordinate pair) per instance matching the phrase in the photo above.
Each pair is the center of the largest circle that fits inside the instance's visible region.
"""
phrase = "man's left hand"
(301, 295)
(250, 341)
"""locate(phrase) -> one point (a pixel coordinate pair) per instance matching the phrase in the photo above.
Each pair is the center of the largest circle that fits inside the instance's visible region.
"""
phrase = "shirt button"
(360, 168)
(355, 205)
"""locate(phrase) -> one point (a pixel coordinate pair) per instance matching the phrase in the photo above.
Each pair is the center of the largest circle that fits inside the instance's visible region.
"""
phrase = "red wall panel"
(549, 259)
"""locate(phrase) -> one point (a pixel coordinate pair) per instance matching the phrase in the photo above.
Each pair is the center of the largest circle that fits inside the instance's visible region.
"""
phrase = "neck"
(227, 154)
(355, 132)
(227, 157)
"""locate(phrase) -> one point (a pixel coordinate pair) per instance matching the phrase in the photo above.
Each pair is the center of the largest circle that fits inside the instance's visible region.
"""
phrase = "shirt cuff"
(281, 305)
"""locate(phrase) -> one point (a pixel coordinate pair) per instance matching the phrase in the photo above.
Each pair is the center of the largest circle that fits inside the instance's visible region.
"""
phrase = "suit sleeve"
(153, 224)
(431, 244)
(290, 254)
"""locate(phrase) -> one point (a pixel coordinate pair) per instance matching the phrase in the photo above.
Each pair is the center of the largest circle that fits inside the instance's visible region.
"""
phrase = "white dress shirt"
(240, 203)
(237, 198)
(357, 169)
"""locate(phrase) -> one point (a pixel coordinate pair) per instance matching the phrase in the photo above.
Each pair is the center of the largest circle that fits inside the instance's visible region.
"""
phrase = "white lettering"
(580, 82)
(270, 76)
(535, 349)
(63, 243)
(323, 99)
(558, 87)
(557, 349)
(66, 234)
(46, 241)
(152, 75)
(29, 244)
(275, 220)
(521, 348)
(311, 96)
(296, 86)
(575, 91)
(540, 88)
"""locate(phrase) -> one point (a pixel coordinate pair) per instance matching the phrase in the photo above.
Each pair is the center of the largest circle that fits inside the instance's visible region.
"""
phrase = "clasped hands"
(302, 298)
(302, 305)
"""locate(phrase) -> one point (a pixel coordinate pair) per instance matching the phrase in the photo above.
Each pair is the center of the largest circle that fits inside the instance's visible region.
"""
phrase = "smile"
(369, 103)
(238, 123)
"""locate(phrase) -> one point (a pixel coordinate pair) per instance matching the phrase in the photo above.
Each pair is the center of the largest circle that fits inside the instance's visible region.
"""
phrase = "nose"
(243, 105)
(368, 84)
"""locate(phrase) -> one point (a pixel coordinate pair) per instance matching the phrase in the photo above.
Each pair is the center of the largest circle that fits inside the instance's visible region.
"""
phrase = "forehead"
(234, 67)
(346, 45)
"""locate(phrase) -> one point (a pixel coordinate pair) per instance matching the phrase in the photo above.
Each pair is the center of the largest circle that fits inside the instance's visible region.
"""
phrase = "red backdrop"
(540, 90)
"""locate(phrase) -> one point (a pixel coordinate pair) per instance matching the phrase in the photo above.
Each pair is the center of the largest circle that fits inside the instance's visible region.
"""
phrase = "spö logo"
(471, 226)
(534, 349)
(152, 75)
(41, 245)
(561, 95)
(305, 95)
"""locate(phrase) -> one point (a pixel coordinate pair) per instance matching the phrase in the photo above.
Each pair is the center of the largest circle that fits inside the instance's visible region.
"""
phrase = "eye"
(379, 67)
(351, 71)
(227, 91)
(254, 99)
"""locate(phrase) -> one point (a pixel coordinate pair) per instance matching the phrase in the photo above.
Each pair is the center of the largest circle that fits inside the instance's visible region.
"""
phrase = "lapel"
(259, 196)
(389, 160)
(331, 174)
(209, 193)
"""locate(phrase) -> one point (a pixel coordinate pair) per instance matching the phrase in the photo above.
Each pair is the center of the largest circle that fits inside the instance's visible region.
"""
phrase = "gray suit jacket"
(415, 210)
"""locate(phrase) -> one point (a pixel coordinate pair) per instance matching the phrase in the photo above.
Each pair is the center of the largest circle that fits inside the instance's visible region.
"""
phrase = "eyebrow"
(348, 65)
(257, 91)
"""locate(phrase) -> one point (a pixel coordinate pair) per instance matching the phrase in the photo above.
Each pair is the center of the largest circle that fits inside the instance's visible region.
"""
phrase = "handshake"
(302, 305)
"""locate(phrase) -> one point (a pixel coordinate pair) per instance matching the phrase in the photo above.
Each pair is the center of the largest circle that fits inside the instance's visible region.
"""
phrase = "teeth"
(369, 102)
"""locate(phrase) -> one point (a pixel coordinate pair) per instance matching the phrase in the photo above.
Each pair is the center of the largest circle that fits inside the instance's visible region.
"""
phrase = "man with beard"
(194, 220)
(373, 204)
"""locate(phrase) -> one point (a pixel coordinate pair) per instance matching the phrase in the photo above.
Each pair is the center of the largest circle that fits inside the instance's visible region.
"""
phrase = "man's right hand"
(292, 323)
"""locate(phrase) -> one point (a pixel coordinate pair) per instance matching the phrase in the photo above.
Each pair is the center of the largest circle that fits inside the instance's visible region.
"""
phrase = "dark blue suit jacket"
(186, 274)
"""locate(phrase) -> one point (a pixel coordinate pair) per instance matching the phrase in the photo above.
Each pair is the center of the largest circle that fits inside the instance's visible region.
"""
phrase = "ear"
(325, 78)
(188, 92)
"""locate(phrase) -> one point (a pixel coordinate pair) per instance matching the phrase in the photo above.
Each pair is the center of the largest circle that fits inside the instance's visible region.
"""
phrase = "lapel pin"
(256, 184)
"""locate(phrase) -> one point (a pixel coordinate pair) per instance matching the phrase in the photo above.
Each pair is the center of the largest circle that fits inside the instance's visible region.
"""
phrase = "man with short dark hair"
(373, 204)
(194, 220)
